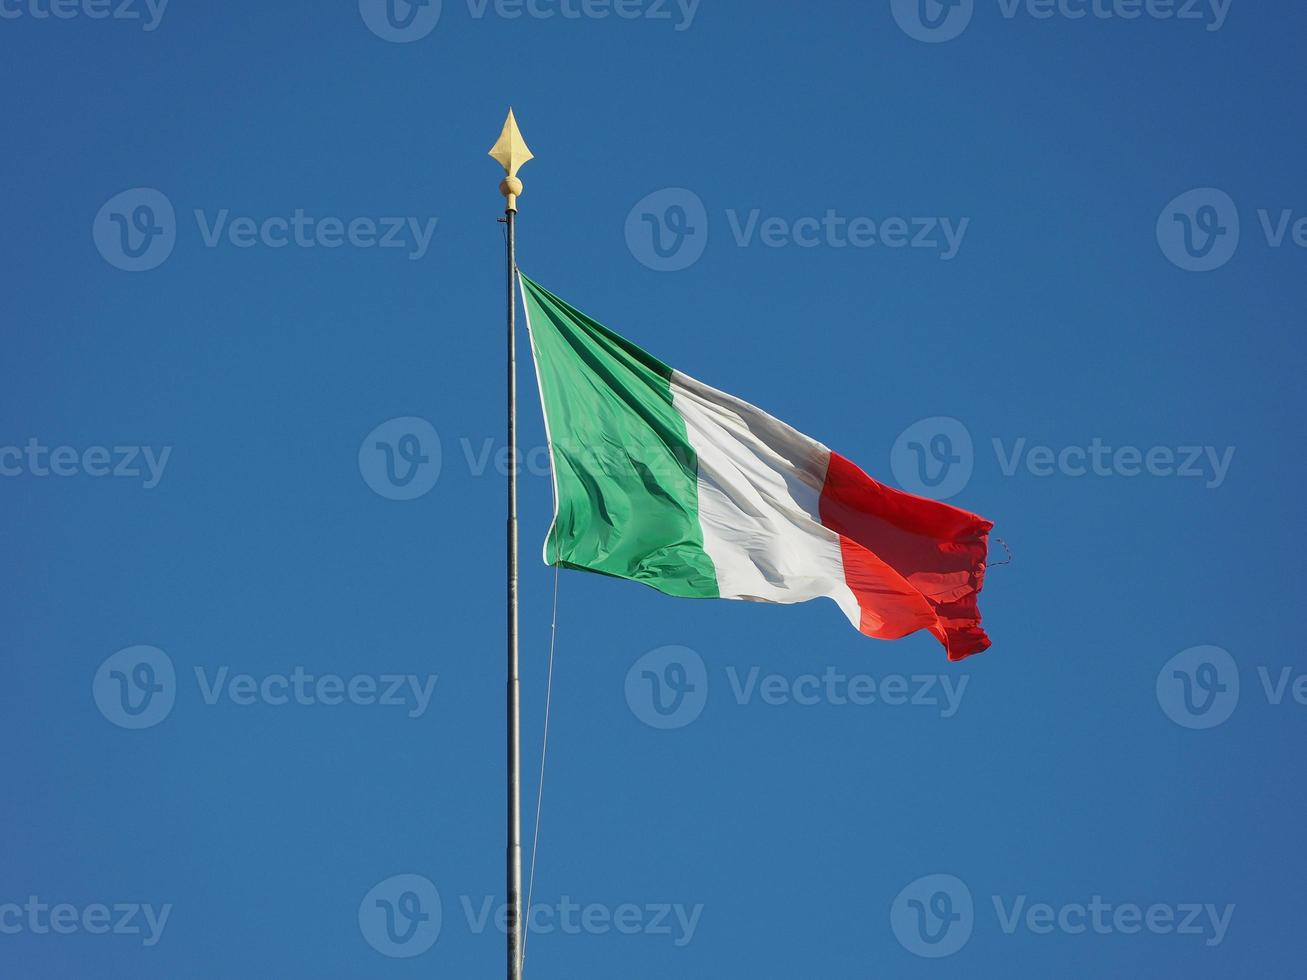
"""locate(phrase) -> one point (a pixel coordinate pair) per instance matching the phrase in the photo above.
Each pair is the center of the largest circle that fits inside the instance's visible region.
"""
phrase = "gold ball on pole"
(511, 187)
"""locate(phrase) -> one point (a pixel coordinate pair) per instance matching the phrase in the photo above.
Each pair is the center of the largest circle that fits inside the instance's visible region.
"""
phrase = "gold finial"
(511, 151)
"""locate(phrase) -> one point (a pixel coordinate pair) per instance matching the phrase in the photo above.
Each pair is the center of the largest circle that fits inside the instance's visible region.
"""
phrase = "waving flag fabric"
(661, 479)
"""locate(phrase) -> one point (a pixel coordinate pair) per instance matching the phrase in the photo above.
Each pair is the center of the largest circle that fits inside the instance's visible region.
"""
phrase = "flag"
(661, 479)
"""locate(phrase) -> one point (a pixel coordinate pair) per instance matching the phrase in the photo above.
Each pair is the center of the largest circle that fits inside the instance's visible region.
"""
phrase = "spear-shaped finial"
(511, 151)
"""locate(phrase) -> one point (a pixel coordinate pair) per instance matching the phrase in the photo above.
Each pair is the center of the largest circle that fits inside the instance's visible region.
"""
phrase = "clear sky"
(1041, 258)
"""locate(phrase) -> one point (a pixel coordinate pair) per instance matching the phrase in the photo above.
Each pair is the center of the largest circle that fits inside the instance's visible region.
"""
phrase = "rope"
(1008, 559)
(540, 787)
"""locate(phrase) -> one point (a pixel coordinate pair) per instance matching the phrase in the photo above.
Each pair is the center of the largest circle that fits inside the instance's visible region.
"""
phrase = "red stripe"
(912, 563)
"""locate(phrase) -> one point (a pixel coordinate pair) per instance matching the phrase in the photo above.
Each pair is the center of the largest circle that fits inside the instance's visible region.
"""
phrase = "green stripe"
(624, 471)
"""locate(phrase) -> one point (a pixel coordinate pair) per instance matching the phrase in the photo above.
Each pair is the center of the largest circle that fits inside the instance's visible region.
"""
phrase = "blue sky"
(1044, 259)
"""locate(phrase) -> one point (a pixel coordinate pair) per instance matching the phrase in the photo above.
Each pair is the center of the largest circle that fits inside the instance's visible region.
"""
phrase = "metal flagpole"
(512, 152)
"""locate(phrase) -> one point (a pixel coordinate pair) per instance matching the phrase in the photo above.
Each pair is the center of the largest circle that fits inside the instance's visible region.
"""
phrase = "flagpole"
(514, 708)
(512, 152)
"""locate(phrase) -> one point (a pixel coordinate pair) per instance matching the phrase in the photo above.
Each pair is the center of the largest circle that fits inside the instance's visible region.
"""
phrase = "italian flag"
(660, 479)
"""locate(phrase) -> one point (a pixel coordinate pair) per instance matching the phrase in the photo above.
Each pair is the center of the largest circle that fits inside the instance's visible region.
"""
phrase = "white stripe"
(540, 389)
(760, 484)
